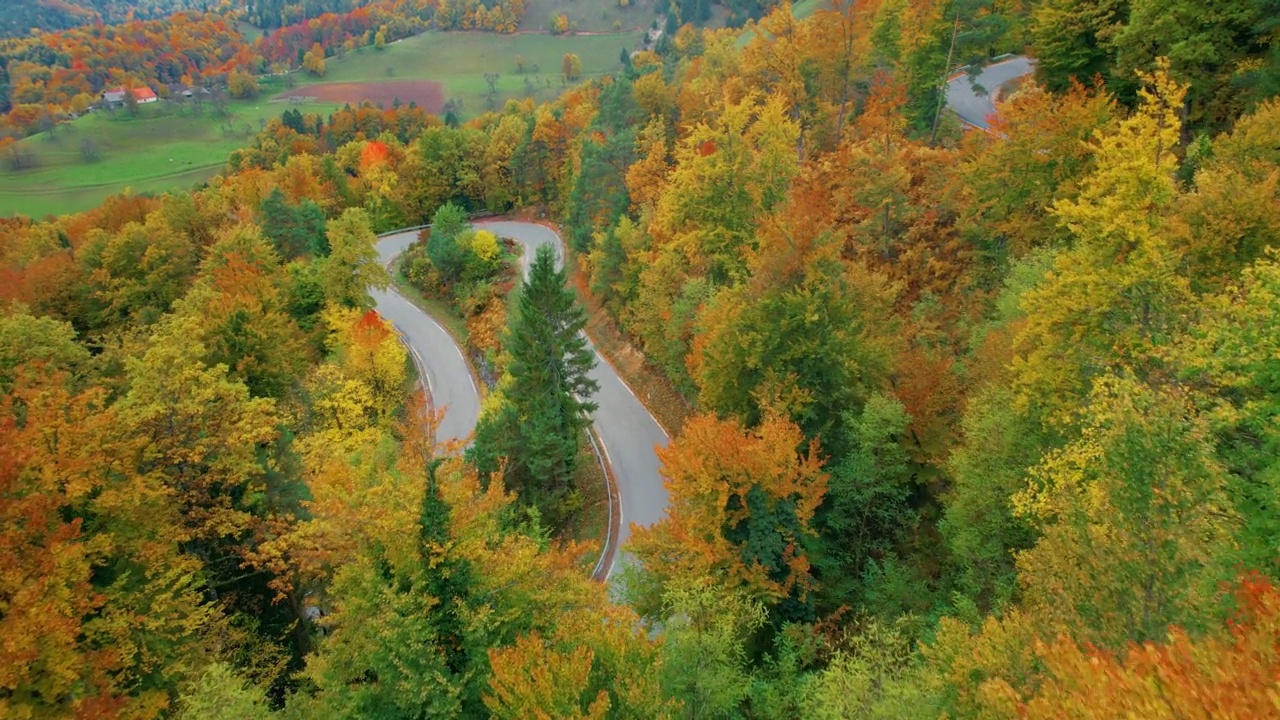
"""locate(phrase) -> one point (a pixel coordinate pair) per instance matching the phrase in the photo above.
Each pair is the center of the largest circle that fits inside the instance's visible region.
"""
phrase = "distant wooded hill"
(20, 17)
(278, 13)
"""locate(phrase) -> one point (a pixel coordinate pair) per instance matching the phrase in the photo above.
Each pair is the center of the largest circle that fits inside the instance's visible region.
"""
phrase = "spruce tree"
(405, 642)
(293, 230)
(311, 218)
(450, 580)
(548, 401)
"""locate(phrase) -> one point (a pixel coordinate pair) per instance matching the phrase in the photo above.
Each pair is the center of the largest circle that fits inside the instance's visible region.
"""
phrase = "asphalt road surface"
(974, 108)
(629, 433)
(438, 357)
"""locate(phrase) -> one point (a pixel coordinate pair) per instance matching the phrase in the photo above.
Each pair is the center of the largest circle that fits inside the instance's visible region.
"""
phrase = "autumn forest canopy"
(963, 424)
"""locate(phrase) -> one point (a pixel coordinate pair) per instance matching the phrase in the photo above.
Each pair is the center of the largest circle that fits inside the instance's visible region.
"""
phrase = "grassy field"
(799, 10)
(590, 15)
(161, 149)
(460, 60)
(805, 8)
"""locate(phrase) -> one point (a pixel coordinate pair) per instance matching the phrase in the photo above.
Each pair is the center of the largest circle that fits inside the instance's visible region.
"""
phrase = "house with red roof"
(115, 96)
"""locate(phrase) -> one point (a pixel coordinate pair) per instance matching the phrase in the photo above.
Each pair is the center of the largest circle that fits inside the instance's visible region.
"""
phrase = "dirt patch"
(428, 94)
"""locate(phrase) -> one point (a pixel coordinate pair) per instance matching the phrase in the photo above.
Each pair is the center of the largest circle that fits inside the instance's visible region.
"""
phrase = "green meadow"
(460, 60)
(103, 153)
(598, 16)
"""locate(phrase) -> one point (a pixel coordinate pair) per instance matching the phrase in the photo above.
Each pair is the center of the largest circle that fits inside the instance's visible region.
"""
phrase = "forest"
(964, 424)
(22, 17)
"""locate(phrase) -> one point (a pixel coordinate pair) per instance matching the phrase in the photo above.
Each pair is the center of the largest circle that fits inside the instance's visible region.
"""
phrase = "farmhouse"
(115, 96)
(179, 90)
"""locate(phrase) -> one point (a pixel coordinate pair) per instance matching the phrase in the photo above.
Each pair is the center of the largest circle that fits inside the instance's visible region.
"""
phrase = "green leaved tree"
(294, 230)
(446, 254)
(352, 266)
(400, 642)
(1136, 520)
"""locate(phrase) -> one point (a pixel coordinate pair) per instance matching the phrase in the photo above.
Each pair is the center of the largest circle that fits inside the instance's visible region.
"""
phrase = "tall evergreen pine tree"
(548, 403)
(448, 579)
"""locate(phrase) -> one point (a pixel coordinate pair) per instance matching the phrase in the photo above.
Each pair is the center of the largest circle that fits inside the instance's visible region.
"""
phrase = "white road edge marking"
(631, 392)
(392, 289)
(622, 516)
(608, 492)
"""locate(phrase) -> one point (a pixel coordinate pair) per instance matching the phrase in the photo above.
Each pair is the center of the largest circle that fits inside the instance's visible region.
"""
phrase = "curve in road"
(628, 432)
(438, 358)
(973, 108)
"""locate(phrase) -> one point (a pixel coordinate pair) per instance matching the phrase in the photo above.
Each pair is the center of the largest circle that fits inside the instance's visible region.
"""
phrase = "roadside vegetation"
(474, 273)
(467, 278)
(532, 427)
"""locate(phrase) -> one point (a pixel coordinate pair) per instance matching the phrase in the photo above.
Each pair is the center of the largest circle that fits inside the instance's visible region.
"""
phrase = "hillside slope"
(20, 17)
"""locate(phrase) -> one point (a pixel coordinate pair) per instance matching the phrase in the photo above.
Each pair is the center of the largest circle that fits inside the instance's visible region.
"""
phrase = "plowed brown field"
(428, 94)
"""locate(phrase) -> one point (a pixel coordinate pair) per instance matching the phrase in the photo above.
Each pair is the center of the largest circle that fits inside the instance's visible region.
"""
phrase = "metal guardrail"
(470, 216)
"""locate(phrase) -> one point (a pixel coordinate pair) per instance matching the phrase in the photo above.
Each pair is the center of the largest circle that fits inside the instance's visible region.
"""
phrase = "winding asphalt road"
(437, 356)
(974, 109)
(628, 432)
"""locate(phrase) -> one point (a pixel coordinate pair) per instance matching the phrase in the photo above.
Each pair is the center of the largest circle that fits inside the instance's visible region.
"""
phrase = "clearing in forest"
(428, 94)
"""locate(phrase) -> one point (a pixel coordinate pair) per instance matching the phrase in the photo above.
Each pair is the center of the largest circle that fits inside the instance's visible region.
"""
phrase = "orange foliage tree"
(1232, 675)
(741, 502)
(531, 680)
(100, 611)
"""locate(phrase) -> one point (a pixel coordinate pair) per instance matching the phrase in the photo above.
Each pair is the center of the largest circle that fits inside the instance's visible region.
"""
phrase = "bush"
(484, 329)
(419, 270)
(467, 268)
(242, 85)
(442, 244)
(483, 254)
(471, 298)
(571, 66)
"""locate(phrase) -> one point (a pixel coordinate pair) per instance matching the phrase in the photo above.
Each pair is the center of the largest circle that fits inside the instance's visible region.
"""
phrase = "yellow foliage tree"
(1136, 518)
(1117, 296)
(532, 680)
(484, 245)
(313, 61)
(242, 85)
(370, 353)
(102, 615)
(571, 66)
